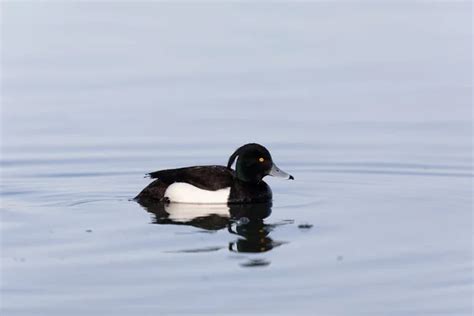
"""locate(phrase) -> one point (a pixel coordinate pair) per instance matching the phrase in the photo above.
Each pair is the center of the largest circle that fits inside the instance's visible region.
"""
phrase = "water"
(367, 105)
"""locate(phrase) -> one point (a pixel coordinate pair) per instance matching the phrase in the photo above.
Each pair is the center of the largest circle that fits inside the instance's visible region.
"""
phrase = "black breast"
(248, 192)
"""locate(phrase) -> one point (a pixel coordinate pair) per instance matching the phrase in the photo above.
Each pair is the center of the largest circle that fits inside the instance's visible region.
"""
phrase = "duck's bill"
(277, 172)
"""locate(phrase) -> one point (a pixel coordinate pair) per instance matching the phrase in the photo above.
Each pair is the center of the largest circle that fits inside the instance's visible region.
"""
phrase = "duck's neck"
(246, 177)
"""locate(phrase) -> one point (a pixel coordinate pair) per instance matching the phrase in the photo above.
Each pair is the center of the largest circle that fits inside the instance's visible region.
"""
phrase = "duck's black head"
(255, 162)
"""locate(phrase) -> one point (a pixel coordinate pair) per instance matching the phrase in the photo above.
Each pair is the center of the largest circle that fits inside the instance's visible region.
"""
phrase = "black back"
(204, 177)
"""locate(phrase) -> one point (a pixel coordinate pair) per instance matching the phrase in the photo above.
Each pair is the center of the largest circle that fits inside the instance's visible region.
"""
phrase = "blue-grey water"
(367, 104)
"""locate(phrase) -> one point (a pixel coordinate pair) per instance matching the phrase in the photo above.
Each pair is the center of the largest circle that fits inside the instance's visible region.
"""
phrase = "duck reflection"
(255, 239)
(243, 220)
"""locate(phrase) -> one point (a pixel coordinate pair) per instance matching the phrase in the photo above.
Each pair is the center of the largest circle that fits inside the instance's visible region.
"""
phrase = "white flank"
(181, 192)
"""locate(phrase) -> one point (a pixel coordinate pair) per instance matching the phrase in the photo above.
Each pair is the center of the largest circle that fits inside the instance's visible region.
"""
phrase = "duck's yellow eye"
(261, 159)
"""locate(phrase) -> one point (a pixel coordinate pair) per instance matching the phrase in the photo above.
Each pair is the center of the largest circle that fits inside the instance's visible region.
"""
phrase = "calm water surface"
(357, 100)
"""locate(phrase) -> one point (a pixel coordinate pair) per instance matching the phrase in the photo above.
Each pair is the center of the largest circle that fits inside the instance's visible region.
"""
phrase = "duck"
(217, 184)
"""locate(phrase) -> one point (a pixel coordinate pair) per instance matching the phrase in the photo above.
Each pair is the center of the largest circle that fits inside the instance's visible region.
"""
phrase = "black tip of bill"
(291, 177)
